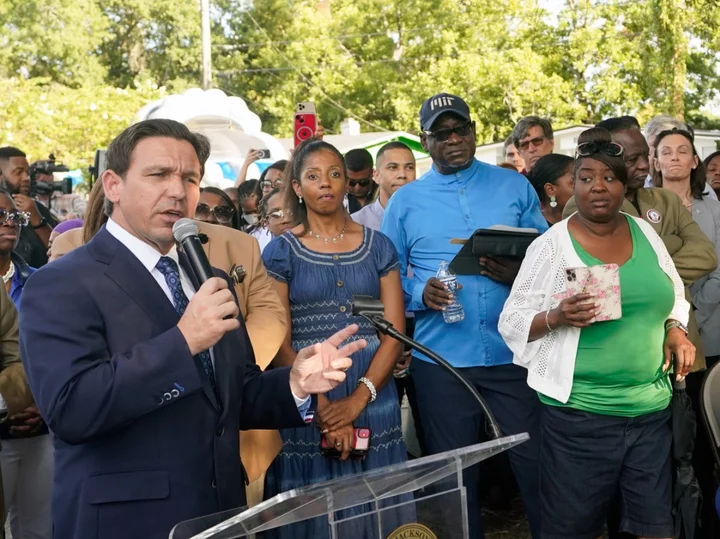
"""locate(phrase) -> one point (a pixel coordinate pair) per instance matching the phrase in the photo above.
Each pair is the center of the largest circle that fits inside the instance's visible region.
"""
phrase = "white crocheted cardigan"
(550, 361)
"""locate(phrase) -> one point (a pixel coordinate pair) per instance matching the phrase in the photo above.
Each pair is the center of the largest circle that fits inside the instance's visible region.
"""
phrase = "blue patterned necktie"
(169, 269)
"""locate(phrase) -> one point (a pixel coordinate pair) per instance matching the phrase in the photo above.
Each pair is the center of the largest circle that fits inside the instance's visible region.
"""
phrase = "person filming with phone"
(600, 359)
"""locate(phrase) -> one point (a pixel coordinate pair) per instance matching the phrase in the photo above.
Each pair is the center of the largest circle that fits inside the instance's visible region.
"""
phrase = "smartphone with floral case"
(603, 282)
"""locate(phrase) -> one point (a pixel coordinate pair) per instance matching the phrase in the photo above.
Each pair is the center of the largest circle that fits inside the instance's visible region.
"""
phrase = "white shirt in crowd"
(370, 216)
(263, 237)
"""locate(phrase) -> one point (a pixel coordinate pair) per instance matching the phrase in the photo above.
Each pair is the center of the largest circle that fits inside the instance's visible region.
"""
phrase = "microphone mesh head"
(183, 228)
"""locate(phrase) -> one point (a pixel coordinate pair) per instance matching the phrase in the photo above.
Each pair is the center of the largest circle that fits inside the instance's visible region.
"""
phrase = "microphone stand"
(386, 328)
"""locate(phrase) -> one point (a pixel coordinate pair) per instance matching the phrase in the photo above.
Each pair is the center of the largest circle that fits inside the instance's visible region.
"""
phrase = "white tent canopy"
(233, 129)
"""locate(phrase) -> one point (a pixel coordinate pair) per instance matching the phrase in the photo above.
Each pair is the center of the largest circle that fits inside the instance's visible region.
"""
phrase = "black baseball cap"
(440, 104)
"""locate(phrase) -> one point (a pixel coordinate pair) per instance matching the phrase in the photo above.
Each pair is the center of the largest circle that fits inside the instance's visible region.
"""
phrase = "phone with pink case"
(603, 282)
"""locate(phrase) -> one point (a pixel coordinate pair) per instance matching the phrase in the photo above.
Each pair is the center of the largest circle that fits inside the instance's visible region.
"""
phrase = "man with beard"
(15, 178)
(456, 197)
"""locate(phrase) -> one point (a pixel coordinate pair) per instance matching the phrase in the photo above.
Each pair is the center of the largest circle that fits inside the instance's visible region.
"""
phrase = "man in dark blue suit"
(143, 376)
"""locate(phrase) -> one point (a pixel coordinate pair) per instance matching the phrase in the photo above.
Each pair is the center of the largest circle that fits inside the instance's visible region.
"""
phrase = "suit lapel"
(207, 388)
(129, 274)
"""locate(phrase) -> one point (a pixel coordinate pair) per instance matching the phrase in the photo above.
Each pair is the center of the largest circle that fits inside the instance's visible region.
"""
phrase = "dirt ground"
(510, 524)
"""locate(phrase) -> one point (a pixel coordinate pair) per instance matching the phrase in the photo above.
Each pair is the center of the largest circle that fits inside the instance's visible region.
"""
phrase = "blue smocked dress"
(321, 287)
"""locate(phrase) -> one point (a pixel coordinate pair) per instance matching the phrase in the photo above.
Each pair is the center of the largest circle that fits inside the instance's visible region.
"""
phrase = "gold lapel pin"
(237, 273)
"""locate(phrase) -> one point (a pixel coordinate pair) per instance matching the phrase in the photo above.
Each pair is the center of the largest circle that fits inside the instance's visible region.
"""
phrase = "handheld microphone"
(186, 233)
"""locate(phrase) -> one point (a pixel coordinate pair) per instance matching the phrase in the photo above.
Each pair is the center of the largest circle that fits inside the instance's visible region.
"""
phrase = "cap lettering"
(443, 101)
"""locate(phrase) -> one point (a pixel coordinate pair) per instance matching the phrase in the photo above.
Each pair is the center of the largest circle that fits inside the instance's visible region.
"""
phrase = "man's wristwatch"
(672, 324)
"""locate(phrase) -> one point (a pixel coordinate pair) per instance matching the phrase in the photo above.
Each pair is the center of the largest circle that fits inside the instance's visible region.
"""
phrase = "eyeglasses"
(19, 218)
(277, 184)
(361, 183)
(611, 149)
(279, 215)
(536, 142)
(443, 135)
(223, 214)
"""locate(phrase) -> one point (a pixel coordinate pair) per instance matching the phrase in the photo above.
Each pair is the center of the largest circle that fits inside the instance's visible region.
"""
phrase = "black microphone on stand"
(373, 310)
(186, 234)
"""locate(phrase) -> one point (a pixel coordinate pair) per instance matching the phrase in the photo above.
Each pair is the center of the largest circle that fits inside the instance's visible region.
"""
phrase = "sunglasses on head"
(587, 149)
(15, 217)
(223, 214)
(443, 135)
(361, 183)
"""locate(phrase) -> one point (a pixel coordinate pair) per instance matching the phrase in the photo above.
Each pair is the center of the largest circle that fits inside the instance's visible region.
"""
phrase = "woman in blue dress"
(319, 265)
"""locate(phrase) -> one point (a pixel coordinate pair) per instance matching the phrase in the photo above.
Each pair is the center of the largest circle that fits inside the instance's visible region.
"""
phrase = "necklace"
(9, 274)
(334, 239)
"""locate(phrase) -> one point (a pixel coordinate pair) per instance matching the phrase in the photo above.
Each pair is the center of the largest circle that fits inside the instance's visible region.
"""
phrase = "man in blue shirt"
(456, 197)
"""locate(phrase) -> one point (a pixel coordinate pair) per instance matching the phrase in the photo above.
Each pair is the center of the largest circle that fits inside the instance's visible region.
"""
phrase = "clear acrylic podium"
(422, 498)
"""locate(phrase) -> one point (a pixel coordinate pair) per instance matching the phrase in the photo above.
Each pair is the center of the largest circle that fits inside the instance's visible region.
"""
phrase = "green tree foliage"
(51, 38)
(381, 58)
(372, 59)
(40, 117)
(152, 40)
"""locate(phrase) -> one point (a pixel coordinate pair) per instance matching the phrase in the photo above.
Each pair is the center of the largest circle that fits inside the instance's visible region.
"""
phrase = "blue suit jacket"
(141, 442)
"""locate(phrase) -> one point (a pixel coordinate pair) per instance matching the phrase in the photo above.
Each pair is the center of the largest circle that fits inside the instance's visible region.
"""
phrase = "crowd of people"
(84, 457)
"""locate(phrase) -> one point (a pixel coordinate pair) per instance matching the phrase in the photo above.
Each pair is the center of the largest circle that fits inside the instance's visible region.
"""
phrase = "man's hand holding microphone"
(212, 312)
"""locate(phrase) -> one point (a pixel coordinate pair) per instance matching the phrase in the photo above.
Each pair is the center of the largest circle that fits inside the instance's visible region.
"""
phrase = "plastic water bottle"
(453, 312)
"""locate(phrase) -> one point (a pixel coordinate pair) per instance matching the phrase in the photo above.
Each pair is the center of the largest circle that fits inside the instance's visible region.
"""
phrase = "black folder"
(491, 242)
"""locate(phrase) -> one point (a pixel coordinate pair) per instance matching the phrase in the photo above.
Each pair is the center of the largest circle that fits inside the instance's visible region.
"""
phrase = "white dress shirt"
(149, 257)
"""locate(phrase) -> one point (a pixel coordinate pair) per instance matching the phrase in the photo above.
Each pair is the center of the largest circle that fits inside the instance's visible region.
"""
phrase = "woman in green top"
(604, 385)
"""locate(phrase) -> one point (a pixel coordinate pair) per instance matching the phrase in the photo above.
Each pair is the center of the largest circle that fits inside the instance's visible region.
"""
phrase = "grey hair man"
(533, 137)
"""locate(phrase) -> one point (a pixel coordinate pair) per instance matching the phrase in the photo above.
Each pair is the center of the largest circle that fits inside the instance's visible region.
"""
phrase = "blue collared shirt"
(422, 218)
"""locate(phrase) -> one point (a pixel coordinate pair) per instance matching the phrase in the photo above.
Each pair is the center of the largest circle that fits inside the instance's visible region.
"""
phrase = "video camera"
(48, 167)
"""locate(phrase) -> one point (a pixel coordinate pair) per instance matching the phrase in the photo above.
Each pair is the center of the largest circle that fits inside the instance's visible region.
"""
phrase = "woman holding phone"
(605, 386)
